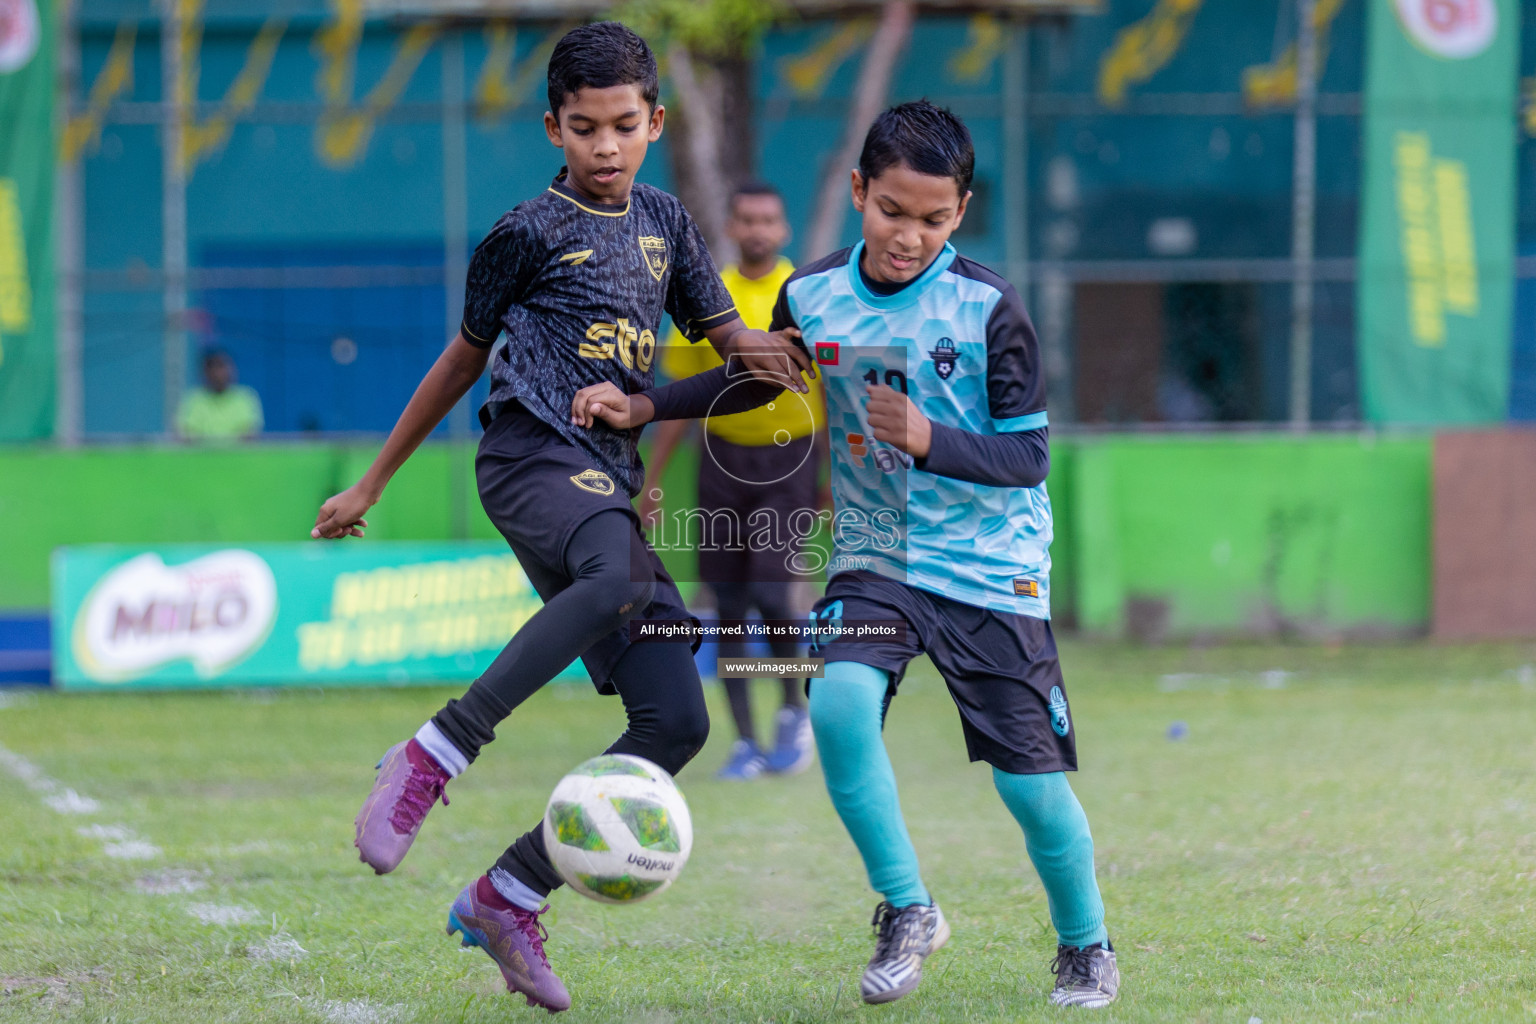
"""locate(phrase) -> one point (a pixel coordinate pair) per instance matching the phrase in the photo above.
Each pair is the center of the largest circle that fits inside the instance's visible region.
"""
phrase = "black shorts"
(537, 488)
(1001, 669)
(778, 481)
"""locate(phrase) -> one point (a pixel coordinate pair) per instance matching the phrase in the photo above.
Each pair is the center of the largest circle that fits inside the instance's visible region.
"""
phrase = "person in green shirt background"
(220, 410)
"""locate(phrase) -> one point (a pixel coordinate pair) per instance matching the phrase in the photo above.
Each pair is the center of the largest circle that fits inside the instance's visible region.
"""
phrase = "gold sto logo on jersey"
(635, 349)
(655, 252)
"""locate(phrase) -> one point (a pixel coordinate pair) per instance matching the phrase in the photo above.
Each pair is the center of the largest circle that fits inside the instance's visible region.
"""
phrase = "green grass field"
(1341, 835)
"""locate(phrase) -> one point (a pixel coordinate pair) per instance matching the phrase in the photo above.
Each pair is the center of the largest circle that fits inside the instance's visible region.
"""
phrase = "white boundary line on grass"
(122, 843)
(56, 795)
(355, 1011)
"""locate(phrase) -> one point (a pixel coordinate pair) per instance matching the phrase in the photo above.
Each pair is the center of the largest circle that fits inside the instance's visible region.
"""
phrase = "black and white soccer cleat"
(1086, 976)
(904, 938)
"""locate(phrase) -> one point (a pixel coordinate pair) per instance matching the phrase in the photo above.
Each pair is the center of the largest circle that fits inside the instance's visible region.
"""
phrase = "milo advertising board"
(283, 614)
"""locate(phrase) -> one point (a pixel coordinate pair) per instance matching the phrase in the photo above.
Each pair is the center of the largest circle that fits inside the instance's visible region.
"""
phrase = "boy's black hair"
(926, 138)
(754, 188)
(598, 56)
(214, 354)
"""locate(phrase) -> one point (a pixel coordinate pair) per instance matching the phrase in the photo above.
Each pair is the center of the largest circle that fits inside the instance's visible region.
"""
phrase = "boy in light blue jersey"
(942, 529)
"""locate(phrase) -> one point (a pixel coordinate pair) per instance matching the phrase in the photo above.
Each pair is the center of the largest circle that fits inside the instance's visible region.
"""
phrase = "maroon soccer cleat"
(514, 938)
(408, 784)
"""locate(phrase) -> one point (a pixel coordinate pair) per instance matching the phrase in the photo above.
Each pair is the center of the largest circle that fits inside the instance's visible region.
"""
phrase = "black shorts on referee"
(1001, 668)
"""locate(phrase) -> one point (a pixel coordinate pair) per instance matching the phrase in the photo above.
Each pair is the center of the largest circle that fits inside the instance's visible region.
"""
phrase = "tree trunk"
(869, 96)
(696, 155)
(738, 138)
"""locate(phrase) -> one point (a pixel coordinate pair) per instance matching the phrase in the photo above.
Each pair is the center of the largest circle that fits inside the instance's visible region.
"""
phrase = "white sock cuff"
(515, 891)
(448, 756)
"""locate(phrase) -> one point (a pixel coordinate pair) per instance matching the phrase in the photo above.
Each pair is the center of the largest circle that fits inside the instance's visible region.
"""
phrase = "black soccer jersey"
(580, 288)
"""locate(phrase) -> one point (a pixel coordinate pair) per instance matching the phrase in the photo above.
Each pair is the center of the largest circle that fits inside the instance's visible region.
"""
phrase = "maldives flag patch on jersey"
(826, 353)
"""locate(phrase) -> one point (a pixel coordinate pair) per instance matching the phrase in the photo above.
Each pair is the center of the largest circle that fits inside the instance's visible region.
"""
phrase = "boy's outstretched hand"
(342, 515)
(607, 403)
(894, 418)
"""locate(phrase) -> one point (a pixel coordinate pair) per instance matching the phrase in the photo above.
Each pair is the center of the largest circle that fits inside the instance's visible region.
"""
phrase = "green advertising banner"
(284, 614)
(26, 219)
(1436, 279)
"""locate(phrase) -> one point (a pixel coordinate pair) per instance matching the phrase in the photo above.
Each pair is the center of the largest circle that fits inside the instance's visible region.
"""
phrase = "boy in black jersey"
(579, 278)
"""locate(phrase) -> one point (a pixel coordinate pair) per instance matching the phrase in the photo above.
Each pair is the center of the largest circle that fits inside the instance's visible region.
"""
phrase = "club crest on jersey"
(1058, 706)
(944, 356)
(655, 252)
(827, 625)
(594, 481)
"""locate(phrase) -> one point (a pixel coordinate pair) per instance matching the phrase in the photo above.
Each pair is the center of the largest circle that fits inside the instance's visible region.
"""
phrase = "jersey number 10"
(893, 378)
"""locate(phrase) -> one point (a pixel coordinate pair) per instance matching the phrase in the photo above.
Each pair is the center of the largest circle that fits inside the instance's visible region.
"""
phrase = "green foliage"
(709, 28)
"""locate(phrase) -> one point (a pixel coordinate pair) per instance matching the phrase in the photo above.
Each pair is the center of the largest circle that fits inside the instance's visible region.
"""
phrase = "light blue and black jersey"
(959, 343)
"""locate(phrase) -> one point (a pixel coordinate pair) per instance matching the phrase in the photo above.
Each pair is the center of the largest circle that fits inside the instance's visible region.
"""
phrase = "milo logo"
(212, 611)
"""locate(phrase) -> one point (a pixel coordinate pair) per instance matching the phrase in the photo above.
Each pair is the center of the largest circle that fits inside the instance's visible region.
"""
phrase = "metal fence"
(304, 192)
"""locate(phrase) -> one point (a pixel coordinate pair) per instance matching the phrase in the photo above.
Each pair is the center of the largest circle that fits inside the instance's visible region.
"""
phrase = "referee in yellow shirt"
(763, 461)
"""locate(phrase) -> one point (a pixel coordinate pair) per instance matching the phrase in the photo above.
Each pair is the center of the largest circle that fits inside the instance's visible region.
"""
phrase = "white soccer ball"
(617, 829)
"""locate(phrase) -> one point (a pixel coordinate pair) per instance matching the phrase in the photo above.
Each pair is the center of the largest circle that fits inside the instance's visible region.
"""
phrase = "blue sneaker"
(795, 748)
(746, 762)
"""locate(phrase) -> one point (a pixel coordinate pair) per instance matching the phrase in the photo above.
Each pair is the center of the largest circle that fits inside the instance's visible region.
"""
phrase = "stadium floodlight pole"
(455, 260)
(173, 210)
(1303, 213)
(68, 262)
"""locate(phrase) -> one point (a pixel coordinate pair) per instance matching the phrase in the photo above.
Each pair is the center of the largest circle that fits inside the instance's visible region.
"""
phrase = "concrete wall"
(1485, 534)
(149, 494)
(1156, 536)
(1251, 534)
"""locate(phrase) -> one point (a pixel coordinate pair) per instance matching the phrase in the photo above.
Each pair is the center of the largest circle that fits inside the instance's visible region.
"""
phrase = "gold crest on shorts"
(655, 252)
(594, 481)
